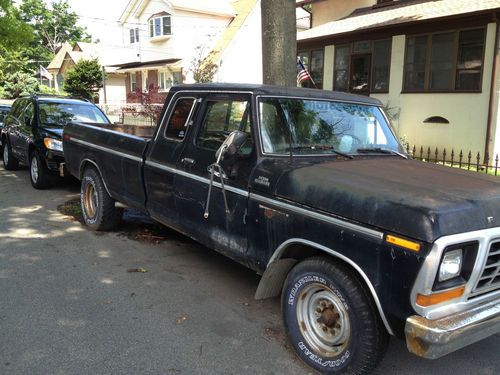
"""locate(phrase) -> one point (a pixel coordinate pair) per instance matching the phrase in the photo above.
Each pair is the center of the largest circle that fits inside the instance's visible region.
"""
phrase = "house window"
(134, 35)
(159, 26)
(450, 61)
(133, 82)
(167, 79)
(363, 66)
(313, 62)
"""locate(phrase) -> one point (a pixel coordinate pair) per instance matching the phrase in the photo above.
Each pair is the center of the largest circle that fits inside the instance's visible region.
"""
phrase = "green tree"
(84, 79)
(15, 32)
(53, 26)
(19, 84)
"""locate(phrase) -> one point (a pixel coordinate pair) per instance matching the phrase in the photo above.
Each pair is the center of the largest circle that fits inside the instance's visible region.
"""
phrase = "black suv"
(32, 133)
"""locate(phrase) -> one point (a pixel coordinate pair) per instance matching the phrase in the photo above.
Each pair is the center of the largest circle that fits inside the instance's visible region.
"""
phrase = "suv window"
(18, 107)
(59, 114)
(222, 118)
(178, 123)
(28, 114)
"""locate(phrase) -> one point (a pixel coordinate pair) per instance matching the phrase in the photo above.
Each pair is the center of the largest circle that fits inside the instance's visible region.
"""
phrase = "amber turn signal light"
(401, 242)
(433, 299)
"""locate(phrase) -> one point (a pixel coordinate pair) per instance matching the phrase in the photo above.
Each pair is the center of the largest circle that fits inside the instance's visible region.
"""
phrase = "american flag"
(303, 74)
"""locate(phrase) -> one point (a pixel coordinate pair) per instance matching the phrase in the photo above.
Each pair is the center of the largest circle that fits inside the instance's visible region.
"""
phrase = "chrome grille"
(490, 275)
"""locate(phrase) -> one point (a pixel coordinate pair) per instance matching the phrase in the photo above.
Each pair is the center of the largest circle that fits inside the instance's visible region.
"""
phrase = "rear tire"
(98, 208)
(331, 319)
(39, 174)
(10, 163)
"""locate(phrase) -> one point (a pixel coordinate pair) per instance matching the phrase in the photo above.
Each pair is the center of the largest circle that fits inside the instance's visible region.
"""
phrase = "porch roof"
(148, 65)
(397, 14)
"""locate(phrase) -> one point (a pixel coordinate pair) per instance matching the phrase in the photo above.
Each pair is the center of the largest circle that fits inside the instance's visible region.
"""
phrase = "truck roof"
(257, 89)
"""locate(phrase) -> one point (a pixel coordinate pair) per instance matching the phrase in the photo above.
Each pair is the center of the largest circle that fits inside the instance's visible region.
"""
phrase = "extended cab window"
(177, 125)
(222, 118)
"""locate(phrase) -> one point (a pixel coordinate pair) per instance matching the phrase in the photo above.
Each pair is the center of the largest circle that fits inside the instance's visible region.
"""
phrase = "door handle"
(187, 161)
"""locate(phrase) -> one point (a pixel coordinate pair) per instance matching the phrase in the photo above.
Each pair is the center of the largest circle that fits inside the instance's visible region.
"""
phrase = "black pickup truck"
(312, 190)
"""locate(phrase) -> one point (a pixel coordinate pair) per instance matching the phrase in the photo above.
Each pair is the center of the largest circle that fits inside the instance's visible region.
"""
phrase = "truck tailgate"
(117, 156)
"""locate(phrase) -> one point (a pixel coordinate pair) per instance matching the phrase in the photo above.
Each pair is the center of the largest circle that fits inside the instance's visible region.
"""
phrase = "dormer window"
(160, 25)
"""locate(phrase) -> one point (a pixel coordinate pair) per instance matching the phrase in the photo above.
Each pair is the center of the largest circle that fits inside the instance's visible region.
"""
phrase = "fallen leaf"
(181, 319)
(141, 270)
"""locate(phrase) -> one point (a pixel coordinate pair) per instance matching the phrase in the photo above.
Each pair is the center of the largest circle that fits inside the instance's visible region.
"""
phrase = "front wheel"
(331, 320)
(39, 174)
(98, 208)
(10, 163)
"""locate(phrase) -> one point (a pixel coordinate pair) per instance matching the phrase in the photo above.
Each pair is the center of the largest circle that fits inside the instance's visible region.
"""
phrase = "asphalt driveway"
(70, 306)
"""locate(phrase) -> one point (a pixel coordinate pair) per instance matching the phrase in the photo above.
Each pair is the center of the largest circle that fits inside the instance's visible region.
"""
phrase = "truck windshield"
(60, 114)
(311, 127)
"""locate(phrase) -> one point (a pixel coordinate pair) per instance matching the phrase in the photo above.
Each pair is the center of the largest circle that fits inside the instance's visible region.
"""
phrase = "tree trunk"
(279, 42)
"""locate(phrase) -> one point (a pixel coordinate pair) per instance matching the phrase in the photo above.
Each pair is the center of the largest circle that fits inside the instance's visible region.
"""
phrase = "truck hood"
(419, 200)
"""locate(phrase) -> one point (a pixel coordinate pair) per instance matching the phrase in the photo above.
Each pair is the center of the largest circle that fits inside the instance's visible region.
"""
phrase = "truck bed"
(116, 151)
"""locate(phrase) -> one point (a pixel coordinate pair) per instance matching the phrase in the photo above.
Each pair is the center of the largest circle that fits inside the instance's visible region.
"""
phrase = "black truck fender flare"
(274, 276)
(82, 167)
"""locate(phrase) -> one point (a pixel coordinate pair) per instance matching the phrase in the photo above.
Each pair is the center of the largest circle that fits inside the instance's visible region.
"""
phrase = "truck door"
(160, 166)
(213, 226)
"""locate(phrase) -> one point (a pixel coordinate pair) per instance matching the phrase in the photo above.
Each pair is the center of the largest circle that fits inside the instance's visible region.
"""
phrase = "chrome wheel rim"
(90, 200)
(323, 320)
(34, 169)
(6, 154)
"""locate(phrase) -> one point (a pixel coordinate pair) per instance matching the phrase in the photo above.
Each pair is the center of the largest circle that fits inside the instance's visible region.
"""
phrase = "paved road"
(69, 306)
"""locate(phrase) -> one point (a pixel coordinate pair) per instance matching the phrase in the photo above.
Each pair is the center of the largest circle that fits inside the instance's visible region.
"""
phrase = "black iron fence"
(465, 160)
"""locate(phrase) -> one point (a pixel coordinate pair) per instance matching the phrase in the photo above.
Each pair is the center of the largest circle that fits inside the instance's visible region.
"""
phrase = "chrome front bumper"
(436, 338)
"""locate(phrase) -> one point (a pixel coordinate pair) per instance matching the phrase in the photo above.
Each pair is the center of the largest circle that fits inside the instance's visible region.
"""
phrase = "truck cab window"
(222, 118)
(178, 122)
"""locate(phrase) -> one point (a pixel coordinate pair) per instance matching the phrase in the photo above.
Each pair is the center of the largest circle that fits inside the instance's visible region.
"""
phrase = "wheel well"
(287, 255)
(86, 163)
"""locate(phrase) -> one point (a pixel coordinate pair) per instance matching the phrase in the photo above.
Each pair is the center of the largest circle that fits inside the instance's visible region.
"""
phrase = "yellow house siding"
(467, 113)
(326, 11)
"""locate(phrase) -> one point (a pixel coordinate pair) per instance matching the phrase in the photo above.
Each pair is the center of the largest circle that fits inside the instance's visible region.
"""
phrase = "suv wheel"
(39, 175)
(9, 161)
(331, 320)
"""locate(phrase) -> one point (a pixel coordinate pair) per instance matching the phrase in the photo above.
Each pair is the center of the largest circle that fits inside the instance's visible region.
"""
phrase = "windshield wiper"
(380, 150)
(321, 147)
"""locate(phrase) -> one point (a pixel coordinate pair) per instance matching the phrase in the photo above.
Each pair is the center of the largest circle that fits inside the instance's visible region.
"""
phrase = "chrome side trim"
(112, 131)
(106, 149)
(80, 173)
(318, 216)
(278, 252)
(203, 180)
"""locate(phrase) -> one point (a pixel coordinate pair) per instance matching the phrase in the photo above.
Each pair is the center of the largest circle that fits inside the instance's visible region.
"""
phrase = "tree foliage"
(84, 79)
(19, 84)
(203, 66)
(53, 26)
(15, 33)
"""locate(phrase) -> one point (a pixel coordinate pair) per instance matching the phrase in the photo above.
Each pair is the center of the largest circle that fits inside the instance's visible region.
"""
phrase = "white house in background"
(113, 92)
(164, 36)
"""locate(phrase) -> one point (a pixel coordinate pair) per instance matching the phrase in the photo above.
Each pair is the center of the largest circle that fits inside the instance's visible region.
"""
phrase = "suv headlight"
(451, 265)
(53, 144)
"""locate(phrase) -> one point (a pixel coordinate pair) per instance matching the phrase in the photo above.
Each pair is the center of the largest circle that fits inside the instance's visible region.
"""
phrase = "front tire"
(331, 320)
(39, 174)
(98, 208)
(10, 163)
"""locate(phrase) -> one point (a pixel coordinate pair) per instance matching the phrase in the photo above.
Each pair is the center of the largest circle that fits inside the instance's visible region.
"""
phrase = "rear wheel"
(10, 163)
(39, 174)
(98, 208)
(331, 320)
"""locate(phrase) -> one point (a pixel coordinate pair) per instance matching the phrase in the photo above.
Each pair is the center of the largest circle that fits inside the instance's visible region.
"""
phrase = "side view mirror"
(232, 145)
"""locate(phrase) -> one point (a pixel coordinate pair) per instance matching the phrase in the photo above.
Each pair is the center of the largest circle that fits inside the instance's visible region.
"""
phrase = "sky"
(100, 17)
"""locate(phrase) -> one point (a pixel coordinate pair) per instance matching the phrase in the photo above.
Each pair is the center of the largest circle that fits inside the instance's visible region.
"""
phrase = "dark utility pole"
(279, 42)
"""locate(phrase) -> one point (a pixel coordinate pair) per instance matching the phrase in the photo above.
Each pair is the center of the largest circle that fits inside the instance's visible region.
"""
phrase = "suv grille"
(490, 275)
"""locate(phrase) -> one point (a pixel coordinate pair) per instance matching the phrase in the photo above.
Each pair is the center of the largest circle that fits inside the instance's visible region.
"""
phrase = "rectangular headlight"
(53, 144)
(451, 265)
